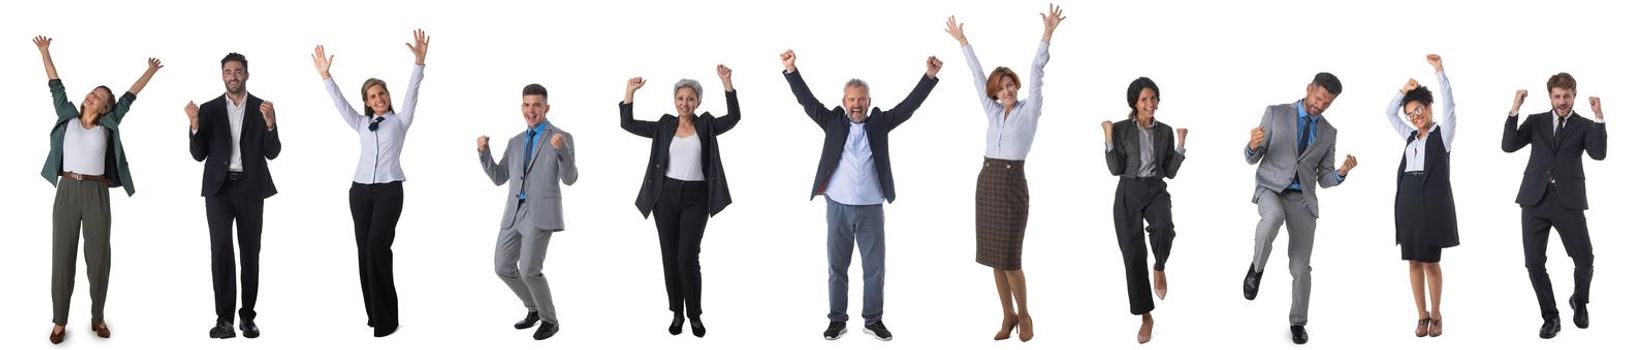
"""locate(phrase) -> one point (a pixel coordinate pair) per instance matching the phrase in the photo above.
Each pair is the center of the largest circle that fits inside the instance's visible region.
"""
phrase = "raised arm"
(154, 66)
(1515, 138)
(272, 137)
(198, 142)
(1114, 153)
(124, 103)
(723, 124)
(800, 89)
(1035, 83)
(1448, 104)
(1051, 19)
(904, 110)
(957, 31)
(1396, 111)
(44, 44)
(410, 101)
(628, 120)
(1595, 140)
(324, 65)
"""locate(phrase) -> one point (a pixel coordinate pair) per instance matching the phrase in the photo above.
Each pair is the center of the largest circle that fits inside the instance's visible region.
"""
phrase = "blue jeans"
(845, 226)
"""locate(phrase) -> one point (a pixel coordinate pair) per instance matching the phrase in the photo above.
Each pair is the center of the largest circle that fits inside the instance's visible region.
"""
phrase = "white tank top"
(84, 149)
(685, 159)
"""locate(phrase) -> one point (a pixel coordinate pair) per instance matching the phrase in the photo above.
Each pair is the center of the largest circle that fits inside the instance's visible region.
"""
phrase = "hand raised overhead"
(1519, 99)
(419, 46)
(789, 59)
(956, 30)
(933, 65)
(1051, 20)
(727, 76)
(1434, 60)
(323, 62)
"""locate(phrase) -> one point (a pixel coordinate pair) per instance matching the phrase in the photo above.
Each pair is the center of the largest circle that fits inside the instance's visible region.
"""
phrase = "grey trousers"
(1291, 209)
(79, 204)
(523, 245)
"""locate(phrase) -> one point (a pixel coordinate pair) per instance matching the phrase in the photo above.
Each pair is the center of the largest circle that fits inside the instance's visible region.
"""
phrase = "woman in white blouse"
(1001, 199)
(376, 194)
(1425, 214)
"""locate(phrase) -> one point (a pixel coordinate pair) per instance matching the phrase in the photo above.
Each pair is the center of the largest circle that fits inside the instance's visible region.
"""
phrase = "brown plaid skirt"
(1000, 213)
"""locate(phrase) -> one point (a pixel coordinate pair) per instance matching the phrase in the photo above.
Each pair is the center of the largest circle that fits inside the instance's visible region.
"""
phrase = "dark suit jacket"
(1560, 159)
(836, 124)
(211, 143)
(1125, 158)
(659, 155)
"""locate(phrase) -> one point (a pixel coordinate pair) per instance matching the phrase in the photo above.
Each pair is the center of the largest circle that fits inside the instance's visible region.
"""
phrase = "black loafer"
(1551, 327)
(527, 322)
(222, 331)
(249, 329)
(546, 330)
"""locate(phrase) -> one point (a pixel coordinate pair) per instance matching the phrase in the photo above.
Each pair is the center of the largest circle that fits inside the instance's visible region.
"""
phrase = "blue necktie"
(1301, 134)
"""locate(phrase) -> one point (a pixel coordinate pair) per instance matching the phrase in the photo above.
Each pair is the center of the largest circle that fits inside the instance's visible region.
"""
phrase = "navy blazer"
(835, 122)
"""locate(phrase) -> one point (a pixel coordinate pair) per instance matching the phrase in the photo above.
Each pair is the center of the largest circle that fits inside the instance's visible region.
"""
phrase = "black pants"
(236, 204)
(1535, 222)
(376, 208)
(1135, 200)
(680, 215)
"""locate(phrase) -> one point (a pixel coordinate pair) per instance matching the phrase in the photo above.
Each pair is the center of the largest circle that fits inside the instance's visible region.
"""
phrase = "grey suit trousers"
(79, 204)
(1289, 208)
(522, 244)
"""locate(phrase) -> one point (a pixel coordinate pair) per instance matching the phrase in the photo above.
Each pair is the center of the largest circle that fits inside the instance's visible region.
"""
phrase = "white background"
(1219, 63)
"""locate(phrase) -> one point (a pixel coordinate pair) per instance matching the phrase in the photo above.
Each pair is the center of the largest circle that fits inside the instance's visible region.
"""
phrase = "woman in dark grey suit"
(683, 186)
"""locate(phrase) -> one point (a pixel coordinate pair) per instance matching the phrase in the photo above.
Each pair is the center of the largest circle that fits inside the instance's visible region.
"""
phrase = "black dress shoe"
(835, 330)
(1580, 313)
(1299, 334)
(676, 324)
(1253, 281)
(533, 317)
(698, 328)
(546, 330)
(222, 331)
(1551, 326)
(383, 331)
(249, 329)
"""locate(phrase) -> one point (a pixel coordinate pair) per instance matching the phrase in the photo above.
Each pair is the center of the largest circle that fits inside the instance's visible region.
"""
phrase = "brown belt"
(80, 177)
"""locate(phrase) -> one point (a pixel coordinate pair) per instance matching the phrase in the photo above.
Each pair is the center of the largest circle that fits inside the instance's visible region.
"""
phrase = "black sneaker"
(835, 330)
(877, 330)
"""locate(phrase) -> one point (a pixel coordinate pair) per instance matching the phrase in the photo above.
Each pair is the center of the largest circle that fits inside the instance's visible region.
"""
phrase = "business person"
(534, 161)
(1425, 213)
(855, 175)
(376, 194)
(683, 186)
(86, 159)
(1552, 193)
(1296, 147)
(1001, 198)
(1140, 155)
(234, 134)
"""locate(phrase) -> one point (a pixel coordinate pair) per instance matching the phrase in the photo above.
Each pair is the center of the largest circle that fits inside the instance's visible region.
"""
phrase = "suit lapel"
(252, 118)
(539, 145)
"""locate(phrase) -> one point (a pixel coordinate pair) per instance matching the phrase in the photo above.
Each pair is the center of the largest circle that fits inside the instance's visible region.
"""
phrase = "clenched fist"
(194, 113)
(482, 143)
(1256, 137)
(556, 141)
(1519, 99)
(1347, 164)
(268, 109)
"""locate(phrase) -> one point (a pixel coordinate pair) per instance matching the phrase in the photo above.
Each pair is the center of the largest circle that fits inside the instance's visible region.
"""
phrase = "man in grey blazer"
(1297, 148)
(534, 161)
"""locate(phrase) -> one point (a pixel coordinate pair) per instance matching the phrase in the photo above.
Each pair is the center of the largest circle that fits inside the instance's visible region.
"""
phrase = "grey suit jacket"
(538, 179)
(1281, 163)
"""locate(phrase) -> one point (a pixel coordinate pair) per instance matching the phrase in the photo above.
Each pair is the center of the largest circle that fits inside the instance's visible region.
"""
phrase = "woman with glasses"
(1425, 214)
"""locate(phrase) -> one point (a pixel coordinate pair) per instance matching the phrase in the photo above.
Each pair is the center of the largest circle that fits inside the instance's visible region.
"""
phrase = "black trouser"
(680, 215)
(1135, 200)
(1535, 222)
(235, 204)
(376, 208)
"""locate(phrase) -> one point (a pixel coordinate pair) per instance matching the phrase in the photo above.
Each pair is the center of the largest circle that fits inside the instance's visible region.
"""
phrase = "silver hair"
(858, 83)
(688, 83)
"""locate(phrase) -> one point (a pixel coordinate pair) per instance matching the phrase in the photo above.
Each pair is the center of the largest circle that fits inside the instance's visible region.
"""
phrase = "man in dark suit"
(235, 135)
(855, 176)
(1552, 194)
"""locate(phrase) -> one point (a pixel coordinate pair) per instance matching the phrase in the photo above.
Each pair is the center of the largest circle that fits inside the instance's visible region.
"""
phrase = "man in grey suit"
(534, 161)
(1291, 163)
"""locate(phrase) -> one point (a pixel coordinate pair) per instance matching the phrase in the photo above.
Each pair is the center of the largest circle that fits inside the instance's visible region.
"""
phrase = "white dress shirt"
(1416, 150)
(1011, 138)
(381, 150)
(237, 116)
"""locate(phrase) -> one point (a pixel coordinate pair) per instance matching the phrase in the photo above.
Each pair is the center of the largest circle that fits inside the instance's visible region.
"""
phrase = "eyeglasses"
(374, 127)
(1415, 112)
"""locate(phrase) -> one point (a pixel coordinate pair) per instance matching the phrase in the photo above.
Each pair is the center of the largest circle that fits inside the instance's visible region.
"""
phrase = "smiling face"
(1318, 100)
(377, 98)
(1147, 104)
(534, 109)
(235, 77)
(97, 102)
(1421, 115)
(686, 102)
(856, 100)
(1561, 99)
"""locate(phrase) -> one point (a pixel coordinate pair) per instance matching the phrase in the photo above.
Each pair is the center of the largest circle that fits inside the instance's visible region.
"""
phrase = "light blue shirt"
(1011, 138)
(381, 151)
(527, 155)
(855, 182)
(1311, 123)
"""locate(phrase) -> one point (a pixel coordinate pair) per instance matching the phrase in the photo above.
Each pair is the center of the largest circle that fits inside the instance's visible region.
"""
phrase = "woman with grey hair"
(683, 186)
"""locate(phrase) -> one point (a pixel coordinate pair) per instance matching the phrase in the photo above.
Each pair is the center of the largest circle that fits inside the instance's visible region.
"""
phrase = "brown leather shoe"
(57, 335)
(102, 329)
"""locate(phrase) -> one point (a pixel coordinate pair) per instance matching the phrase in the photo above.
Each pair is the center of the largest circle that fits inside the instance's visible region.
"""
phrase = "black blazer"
(1439, 205)
(1125, 158)
(659, 155)
(1560, 159)
(210, 143)
(836, 124)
